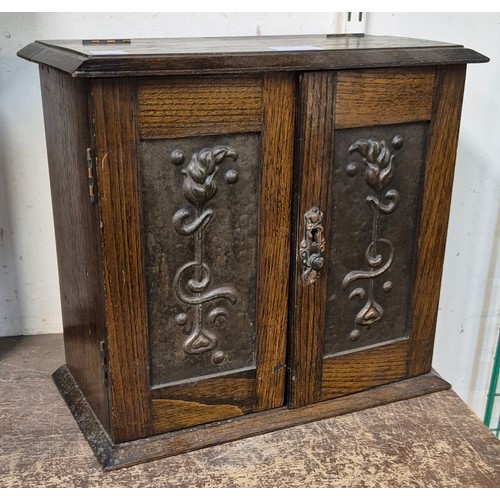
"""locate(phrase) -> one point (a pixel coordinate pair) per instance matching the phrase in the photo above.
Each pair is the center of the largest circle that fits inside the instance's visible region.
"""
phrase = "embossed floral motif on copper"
(378, 163)
(192, 280)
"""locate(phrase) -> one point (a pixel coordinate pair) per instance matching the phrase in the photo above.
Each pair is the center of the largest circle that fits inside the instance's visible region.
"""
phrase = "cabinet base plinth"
(115, 456)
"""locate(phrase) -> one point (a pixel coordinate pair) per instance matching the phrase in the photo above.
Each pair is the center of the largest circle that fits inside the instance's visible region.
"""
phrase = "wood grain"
(114, 456)
(171, 415)
(438, 184)
(238, 45)
(246, 55)
(237, 389)
(314, 165)
(76, 225)
(183, 107)
(274, 238)
(116, 143)
(383, 96)
(262, 388)
(360, 370)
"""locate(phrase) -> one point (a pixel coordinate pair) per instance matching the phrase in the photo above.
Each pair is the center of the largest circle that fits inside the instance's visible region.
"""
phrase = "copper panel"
(376, 192)
(200, 206)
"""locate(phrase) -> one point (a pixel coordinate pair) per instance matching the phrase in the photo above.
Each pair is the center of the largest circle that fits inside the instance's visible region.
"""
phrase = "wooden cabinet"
(195, 237)
(250, 231)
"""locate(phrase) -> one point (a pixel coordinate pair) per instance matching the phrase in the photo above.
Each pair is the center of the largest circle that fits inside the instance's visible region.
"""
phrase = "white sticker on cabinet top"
(107, 52)
(295, 47)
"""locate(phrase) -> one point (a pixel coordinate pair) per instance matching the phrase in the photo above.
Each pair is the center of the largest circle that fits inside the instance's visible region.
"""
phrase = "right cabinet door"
(375, 170)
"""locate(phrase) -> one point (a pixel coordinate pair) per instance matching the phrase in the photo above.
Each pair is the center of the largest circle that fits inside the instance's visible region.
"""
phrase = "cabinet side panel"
(443, 140)
(116, 148)
(77, 233)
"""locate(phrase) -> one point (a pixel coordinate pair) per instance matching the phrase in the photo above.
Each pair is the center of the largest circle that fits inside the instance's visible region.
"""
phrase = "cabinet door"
(195, 196)
(375, 167)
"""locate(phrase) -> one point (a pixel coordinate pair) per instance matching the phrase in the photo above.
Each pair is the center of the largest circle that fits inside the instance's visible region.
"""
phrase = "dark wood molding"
(114, 456)
(244, 54)
(438, 184)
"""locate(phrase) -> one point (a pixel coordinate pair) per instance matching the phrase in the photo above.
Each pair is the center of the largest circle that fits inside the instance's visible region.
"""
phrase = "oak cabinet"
(250, 232)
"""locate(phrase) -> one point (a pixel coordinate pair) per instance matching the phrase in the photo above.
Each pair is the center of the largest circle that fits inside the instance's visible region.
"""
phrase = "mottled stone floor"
(430, 441)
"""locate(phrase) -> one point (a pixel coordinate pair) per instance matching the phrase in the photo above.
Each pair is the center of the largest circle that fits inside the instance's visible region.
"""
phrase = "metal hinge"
(104, 361)
(90, 175)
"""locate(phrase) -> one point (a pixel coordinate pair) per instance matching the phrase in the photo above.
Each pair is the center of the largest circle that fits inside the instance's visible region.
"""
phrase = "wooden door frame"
(114, 107)
(315, 378)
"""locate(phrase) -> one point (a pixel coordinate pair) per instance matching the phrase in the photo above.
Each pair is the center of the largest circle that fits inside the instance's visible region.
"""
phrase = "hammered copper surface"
(228, 249)
(353, 229)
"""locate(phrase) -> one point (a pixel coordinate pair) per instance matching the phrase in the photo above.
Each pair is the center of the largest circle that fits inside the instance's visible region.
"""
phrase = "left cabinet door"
(194, 178)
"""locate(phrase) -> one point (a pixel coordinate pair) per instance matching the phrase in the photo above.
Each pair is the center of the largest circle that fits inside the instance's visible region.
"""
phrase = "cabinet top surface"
(237, 54)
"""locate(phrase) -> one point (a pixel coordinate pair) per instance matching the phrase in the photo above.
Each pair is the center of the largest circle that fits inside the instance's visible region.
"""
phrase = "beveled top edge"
(180, 56)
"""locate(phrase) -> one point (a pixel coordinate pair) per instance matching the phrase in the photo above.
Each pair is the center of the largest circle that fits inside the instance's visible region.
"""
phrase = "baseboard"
(114, 456)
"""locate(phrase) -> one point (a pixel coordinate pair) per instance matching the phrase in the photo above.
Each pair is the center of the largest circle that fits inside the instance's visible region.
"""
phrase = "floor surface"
(430, 441)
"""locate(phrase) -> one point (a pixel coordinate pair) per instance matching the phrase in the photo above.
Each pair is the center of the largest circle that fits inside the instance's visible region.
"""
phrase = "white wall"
(470, 303)
(469, 308)
(29, 294)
